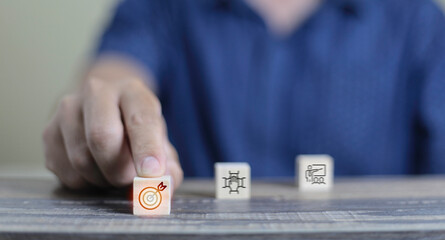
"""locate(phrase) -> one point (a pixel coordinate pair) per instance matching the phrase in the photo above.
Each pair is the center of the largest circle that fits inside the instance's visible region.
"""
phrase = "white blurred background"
(44, 45)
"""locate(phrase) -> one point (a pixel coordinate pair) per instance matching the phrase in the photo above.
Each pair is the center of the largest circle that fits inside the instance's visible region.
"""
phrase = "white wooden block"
(232, 180)
(314, 172)
(152, 196)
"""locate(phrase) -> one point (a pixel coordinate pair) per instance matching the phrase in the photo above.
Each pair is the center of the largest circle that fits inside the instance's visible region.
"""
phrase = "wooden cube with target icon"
(152, 196)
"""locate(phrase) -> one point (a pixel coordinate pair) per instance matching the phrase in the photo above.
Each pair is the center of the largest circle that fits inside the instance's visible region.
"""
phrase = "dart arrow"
(161, 186)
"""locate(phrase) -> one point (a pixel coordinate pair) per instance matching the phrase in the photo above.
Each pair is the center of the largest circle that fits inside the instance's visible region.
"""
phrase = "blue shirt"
(361, 80)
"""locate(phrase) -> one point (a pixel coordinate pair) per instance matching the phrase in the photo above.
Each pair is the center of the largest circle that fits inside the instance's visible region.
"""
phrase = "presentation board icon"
(314, 172)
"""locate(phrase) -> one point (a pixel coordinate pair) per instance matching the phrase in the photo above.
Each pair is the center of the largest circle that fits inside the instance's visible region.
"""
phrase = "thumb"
(173, 166)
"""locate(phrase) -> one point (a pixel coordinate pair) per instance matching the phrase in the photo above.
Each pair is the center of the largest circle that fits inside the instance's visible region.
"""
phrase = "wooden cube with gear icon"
(232, 180)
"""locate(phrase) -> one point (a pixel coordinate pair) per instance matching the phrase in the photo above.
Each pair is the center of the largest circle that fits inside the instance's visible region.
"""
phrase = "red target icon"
(150, 198)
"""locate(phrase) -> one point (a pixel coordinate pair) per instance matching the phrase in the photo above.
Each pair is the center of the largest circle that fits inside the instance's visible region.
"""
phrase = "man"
(257, 81)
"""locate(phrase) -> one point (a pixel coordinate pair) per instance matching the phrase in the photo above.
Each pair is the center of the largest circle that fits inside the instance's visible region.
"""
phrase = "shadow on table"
(108, 200)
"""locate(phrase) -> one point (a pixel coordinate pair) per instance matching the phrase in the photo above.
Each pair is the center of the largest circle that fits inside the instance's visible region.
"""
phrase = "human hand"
(108, 131)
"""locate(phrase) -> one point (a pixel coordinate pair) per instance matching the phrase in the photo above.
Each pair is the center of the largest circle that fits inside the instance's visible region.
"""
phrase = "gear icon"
(233, 182)
(150, 198)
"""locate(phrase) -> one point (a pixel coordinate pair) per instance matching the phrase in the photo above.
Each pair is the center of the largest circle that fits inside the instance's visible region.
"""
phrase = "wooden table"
(390, 207)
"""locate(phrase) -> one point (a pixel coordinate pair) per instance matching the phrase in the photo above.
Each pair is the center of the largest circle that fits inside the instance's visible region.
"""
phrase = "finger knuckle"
(140, 119)
(66, 103)
(135, 84)
(94, 84)
(148, 97)
(81, 163)
(100, 138)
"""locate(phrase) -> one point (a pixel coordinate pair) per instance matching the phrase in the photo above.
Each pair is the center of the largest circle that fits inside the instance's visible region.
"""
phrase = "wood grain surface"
(371, 208)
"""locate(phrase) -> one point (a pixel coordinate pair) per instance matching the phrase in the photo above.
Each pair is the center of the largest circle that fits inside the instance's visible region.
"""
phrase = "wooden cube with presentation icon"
(314, 172)
(152, 196)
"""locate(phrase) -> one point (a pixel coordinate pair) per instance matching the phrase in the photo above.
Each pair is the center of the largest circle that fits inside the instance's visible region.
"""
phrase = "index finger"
(142, 117)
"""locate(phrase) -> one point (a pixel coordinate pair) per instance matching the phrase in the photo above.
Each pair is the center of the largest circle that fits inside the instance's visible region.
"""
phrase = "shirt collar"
(348, 7)
(345, 7)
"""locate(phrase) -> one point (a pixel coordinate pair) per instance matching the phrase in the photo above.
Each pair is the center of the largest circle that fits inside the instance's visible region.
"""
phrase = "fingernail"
(150, 167)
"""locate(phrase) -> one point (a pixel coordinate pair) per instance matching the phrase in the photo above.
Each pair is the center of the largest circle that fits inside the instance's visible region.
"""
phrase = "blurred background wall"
(44, 45)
